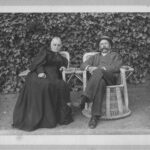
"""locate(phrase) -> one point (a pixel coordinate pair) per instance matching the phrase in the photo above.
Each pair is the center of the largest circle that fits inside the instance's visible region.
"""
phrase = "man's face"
(104, 46)
(56, 45)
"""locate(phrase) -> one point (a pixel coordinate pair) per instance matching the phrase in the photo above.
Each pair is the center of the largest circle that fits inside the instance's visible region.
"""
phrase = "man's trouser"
(96, 88)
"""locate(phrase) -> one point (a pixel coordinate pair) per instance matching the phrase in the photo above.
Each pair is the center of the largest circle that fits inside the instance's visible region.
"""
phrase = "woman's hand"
(91, 69)
(62, 68)
(42, 75)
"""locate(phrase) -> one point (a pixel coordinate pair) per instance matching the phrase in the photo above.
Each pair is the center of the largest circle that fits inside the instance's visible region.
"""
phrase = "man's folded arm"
(114, 66)
(87, 63)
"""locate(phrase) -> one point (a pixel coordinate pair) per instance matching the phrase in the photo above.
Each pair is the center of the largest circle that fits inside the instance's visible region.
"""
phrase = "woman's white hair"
(56, 38)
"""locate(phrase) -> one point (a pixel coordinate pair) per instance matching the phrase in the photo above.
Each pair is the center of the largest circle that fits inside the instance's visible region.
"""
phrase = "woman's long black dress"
(42, 103)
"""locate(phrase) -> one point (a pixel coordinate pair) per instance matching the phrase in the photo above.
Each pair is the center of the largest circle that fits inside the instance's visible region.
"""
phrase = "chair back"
(88, 55)
(66, 55)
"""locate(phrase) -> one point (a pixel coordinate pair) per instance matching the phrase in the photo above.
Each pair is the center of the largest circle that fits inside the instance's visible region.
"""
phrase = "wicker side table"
(77, 72)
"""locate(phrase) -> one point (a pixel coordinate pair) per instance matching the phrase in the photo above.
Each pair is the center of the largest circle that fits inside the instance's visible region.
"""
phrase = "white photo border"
(73, 9)
(88, 140)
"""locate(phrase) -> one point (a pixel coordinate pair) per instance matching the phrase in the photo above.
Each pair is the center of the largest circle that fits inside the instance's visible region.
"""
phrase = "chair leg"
(86, 106)
(64, 75)
(119, 99)
(84, 80)
(126, 98)
(108, 102)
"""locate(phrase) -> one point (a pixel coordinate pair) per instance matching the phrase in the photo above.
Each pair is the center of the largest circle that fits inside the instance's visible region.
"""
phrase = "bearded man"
(104, 68)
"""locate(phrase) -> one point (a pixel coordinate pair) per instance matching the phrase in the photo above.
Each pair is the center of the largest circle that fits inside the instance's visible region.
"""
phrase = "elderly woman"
(43, 100)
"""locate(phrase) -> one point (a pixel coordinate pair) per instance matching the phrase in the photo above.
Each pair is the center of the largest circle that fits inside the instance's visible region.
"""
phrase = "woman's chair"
(63, 53)
(115, 103)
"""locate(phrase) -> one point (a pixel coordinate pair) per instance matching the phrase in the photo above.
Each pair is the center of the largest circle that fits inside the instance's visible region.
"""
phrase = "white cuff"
(87, 67)
(104, 68)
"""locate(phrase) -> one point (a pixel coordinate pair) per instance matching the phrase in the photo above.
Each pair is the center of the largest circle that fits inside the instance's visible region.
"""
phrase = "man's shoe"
(84, 99)
(82, 105)
(93, 122)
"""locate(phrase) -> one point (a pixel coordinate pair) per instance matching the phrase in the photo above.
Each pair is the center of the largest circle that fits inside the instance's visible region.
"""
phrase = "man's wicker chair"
(63, 53)
(115, 103)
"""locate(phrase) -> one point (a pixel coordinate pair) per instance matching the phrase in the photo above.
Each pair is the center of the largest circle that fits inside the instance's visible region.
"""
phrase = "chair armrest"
(126, 68)
(124, 76)
(24, 73)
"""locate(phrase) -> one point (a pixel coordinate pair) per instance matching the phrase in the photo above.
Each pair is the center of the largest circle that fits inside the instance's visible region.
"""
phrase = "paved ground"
(137, 123)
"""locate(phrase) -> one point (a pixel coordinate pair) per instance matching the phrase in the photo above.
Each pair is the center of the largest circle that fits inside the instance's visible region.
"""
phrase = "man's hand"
(104, 68)
(42, 75)
(91, 69)
(62, 68)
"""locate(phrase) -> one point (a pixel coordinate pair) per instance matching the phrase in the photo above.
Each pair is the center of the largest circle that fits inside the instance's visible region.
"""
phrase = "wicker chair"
(115, 103)
(63, 53)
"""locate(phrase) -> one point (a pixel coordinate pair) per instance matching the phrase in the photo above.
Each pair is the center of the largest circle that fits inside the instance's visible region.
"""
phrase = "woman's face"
(56, 45)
